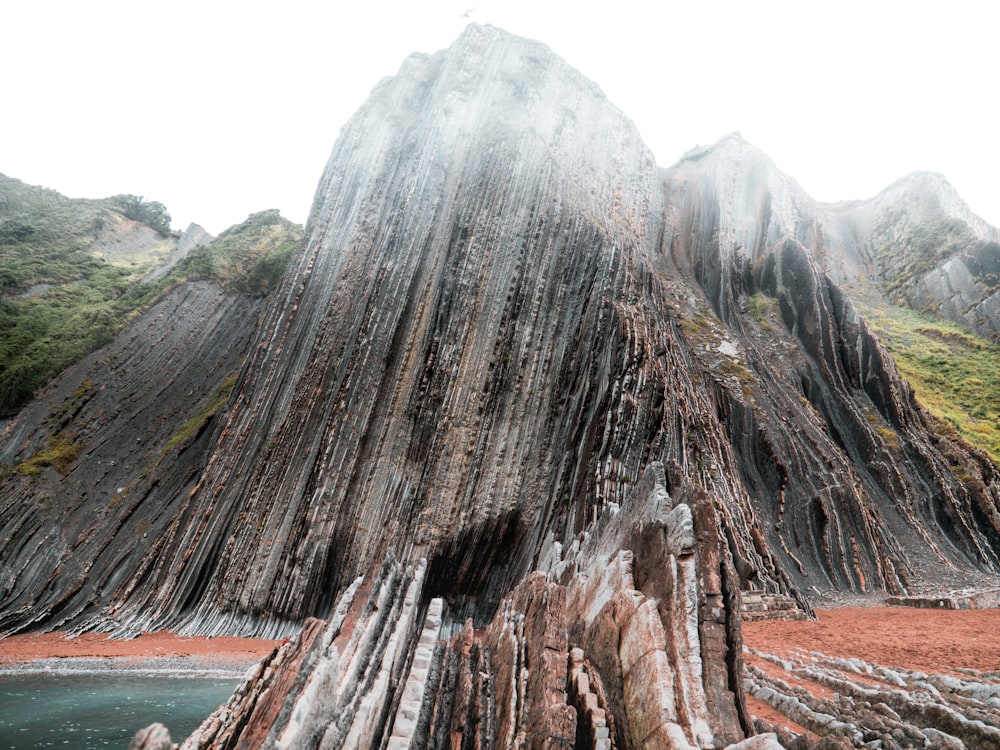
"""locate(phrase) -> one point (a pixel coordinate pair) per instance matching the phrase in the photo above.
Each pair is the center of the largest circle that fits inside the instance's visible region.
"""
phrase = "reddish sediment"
(921, 639)
(29, 647)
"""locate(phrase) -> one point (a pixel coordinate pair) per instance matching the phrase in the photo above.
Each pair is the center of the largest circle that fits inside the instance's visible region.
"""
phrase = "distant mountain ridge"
(522, 403)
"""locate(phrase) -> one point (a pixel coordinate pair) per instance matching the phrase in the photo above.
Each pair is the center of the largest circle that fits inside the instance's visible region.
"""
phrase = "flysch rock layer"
(885, 494)
(629, 638)
(77, 544)
(472, 349)
(502, 317)
(853, 703)
(500, 313)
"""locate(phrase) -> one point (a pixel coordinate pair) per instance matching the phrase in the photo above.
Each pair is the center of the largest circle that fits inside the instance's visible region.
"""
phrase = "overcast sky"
(220, 109)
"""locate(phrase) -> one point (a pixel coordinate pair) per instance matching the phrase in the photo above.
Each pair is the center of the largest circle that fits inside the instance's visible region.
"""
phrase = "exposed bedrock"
(439, 459)
(473, 349)
(500, 313)
(627, 638)
(106, 456)
(854, 486)
(868, 705)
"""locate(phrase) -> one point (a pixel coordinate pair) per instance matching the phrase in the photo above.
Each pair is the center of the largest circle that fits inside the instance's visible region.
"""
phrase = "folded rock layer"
(523, 418)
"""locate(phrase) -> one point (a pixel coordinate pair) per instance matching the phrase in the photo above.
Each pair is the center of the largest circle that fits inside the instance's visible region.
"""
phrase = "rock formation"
(629, 637)
(132, 419)
(926, 248)
(154, 737)
(447, 437)
(868, 705)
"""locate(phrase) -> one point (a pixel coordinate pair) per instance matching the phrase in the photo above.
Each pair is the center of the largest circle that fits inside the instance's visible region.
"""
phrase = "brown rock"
(154, 737)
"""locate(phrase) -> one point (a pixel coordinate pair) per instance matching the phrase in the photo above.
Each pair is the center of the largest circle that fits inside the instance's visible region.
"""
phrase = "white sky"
(219, 109)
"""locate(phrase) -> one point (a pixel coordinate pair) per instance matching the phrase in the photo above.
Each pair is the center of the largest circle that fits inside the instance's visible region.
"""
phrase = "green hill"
(72, 271)
(955, 374)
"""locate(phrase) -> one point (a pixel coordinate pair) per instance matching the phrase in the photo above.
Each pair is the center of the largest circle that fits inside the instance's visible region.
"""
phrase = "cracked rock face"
(448, 434)
(628, 639)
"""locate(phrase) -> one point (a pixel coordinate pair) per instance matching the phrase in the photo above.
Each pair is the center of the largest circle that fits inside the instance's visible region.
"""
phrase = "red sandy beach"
(928, 640)
(19, 649)
(924, 639)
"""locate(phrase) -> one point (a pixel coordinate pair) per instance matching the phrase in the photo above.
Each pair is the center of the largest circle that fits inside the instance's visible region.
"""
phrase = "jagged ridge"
(500, 314)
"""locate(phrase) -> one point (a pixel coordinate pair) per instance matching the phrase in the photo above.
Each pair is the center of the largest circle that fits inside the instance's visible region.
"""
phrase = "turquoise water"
(90, 711)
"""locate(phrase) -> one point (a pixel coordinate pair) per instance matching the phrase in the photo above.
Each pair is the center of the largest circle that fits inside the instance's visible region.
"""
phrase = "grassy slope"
(59, 300)
(249, 258)
(955, 374)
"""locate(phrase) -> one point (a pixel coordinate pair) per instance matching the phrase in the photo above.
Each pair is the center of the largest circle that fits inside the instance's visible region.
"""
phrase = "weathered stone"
(767, 741)
(859, 702)
(154, 737)
(511, 369)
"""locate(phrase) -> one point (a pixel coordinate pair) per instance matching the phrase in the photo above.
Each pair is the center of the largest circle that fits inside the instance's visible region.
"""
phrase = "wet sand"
(149, 651)
(929, 640)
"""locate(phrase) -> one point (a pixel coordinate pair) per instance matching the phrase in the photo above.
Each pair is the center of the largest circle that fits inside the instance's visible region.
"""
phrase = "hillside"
(520, 426)
(74, 271)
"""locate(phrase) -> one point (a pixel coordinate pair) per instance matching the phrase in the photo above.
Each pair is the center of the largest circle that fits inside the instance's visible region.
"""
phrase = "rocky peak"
(747, 187)
(522, 419)
(735, 204)
(929, 193)
(918, 243)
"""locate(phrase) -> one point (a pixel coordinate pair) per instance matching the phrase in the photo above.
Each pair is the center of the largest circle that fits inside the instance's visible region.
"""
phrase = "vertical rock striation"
(106, 456)
(627, 639)
(444, 451)
(470, 351)
(854, 486)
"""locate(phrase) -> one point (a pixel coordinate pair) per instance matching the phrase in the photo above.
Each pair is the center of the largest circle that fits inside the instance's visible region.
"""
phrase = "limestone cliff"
(851, 480)
(107, 453)
(523, 418)
(925, 248)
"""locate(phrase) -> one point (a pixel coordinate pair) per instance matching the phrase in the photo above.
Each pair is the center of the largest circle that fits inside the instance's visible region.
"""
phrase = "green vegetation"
(250, 257)
(60, 299)
(888, 434)
(60, 452)
(955, 374)
(190, 429)
(151, 213)
(922, 246)
(760, 307)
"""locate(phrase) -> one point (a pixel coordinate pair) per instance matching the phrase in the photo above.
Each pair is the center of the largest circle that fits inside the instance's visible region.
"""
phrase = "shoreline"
(137, 667)
(157, 653)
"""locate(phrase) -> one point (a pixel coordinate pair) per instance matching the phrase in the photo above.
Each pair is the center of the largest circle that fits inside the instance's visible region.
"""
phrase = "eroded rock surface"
(627, 639)
(503, 317)
(133, 422)
(868, 705)
(153, 737)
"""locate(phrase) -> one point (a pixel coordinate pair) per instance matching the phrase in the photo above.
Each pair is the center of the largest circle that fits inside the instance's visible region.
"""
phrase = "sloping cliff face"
(628, 638)
(523, 418)
(926, 249)
(849, 478)
(106, 455)
(472, 349)
(97, 467)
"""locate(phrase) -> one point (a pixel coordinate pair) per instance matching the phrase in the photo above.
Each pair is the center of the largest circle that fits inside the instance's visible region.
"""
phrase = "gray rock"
(154, 737)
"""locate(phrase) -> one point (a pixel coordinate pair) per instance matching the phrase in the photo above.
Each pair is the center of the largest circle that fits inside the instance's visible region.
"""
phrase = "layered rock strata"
(923, 246)
(107, 455)
(502, 312)
(628, 639)
(868, 705)
(862, 491)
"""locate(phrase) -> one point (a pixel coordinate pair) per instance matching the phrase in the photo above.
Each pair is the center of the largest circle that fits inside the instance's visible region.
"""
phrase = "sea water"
(90, 711)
